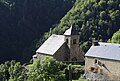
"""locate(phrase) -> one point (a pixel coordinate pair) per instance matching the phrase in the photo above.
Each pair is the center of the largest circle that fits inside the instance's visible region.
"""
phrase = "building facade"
(102, 62)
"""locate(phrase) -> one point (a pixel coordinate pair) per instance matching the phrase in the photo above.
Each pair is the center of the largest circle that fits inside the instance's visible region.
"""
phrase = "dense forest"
(23, 22)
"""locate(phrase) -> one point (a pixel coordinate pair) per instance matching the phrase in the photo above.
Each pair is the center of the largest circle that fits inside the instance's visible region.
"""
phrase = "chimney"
(95, 43)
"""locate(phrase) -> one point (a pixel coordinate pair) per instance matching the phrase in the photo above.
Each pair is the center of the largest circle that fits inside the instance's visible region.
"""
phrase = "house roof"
(105, 50)
(71, 31)
(51, 45)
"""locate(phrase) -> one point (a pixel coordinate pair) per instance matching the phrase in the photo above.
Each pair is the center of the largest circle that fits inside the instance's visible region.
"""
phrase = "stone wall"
(63, 54)
(110, 69)
(77, 53)
(40, 56)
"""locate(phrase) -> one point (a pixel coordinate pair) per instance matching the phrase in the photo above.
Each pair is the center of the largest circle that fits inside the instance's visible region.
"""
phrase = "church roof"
(105, 50)
(71, 31)
(51, 45)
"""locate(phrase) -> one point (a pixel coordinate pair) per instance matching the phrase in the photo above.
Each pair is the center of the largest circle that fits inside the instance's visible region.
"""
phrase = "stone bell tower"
(72, 39)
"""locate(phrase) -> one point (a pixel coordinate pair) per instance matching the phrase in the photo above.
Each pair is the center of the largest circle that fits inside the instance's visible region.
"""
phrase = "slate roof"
(105, 50)
(71, 31)
(51, 45)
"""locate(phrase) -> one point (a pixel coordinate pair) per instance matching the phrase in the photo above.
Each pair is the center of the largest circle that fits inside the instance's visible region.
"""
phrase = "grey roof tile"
(51, 45)
(105, 50)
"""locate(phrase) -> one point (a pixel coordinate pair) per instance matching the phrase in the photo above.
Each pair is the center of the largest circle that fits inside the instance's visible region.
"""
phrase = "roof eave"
(102, 58)
(44, 54)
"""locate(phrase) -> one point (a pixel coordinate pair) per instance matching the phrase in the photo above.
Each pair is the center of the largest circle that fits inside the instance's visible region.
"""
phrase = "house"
(102, 62)
(62, 47)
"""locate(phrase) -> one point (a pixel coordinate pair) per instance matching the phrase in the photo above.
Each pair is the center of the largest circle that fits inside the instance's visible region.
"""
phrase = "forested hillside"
(23, 22)
(97, 20)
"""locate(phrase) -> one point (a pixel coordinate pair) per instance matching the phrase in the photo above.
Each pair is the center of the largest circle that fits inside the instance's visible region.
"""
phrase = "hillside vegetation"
(97, 20)
(46, 70)
(116, 37)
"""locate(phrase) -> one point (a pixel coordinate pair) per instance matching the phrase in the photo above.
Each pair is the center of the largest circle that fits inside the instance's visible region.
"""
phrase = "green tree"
(2, 72)
(52, 70)
(35, 72)
(116, 37)
(46, 70)
(17, 72)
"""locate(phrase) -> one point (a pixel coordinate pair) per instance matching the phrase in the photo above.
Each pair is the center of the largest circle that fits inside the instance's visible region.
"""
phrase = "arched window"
(95, 61)
(67, 41)
(74, 41)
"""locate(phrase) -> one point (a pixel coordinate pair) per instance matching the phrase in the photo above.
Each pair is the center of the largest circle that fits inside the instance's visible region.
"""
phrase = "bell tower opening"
(74, 41)
(67, 41)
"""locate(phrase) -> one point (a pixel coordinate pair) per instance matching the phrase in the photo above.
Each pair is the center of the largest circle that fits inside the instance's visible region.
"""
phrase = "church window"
(74, 41)
(66, 40)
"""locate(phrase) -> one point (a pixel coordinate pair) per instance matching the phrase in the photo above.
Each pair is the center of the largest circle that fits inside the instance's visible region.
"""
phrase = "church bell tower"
(72, 39)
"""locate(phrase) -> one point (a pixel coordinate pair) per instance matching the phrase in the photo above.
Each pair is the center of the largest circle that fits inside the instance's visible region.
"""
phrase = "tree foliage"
(2, 72)
(97, 19)
(116, 37)
(47, 70)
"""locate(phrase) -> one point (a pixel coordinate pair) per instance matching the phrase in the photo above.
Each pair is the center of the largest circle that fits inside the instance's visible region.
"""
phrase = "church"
(62, 47)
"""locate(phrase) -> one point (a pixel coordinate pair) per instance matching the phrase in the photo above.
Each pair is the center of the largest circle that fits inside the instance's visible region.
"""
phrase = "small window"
(74, 41)
(99, 63)
(92, 69)
(95, 61)
(66, 40)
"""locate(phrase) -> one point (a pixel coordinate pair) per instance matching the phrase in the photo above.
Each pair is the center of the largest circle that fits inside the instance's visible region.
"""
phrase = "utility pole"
(70, 75)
